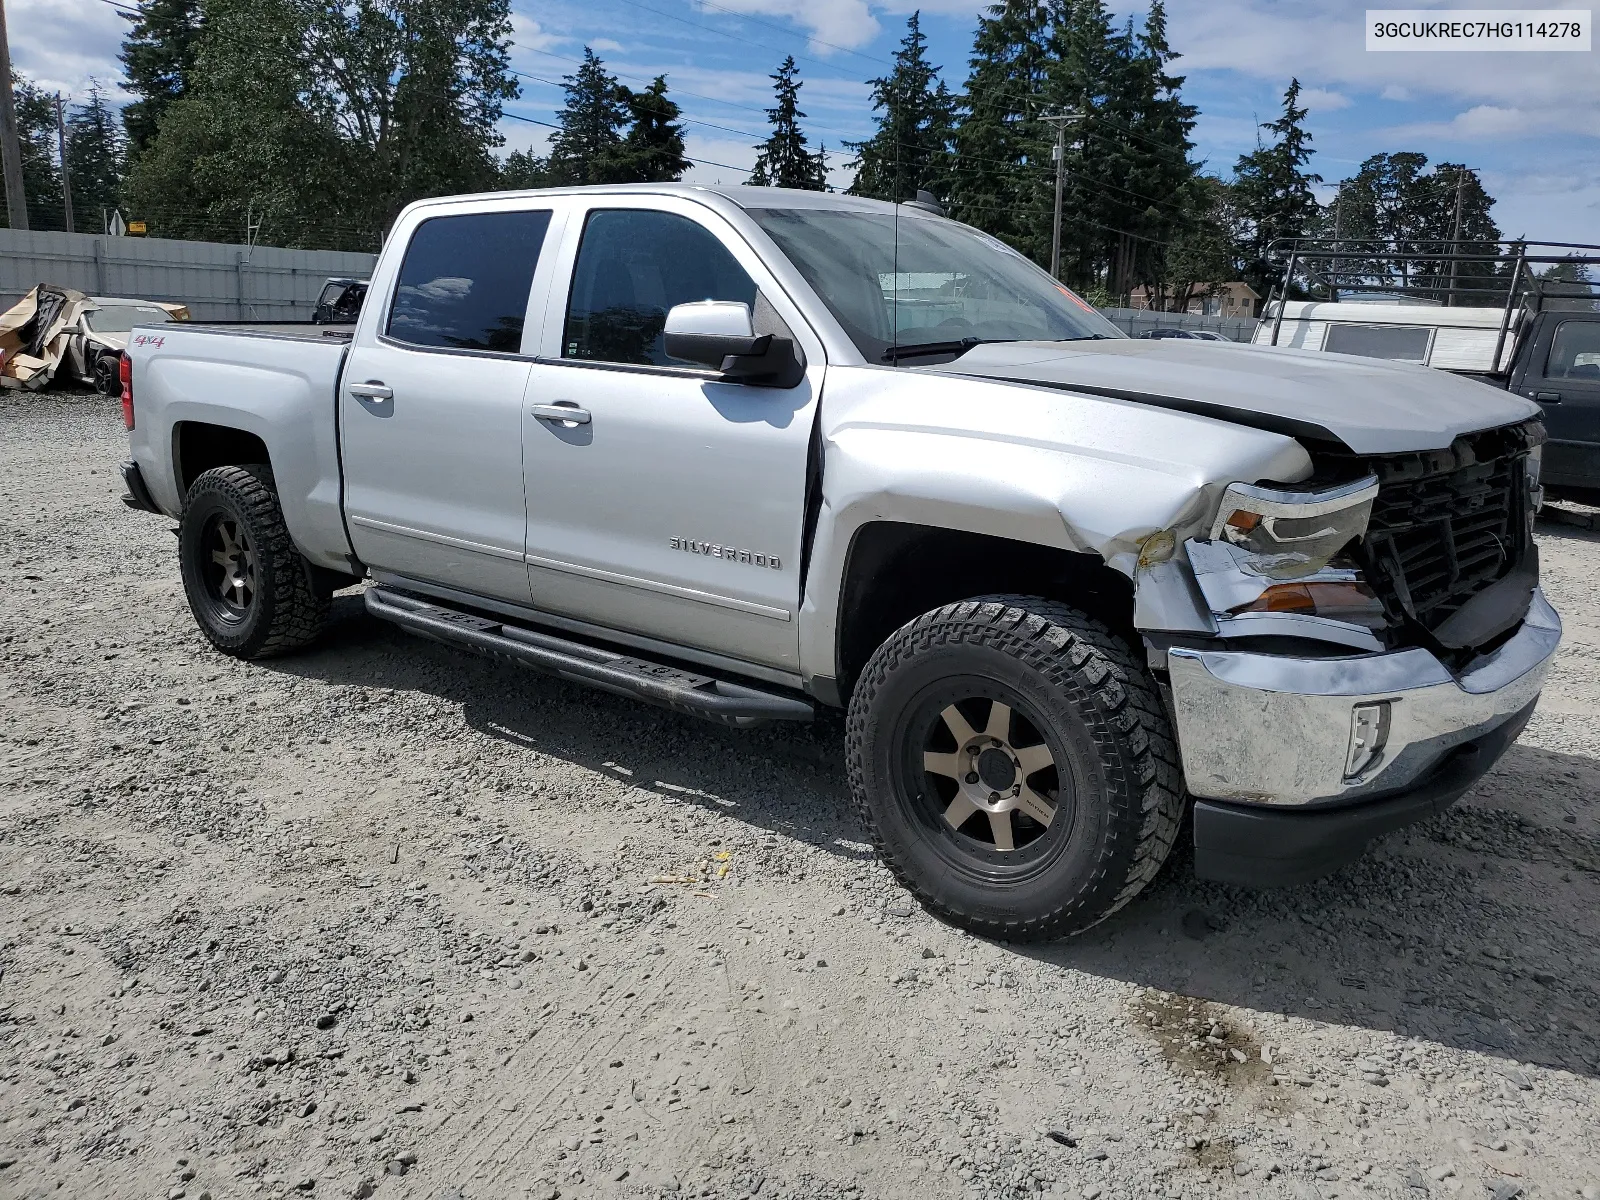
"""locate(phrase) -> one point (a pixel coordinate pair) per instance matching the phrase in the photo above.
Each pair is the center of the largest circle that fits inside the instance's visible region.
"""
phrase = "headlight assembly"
(1290, 535)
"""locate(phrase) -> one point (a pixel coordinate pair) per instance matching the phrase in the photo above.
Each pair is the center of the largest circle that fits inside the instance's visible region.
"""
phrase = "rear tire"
(251, 592)
(1016, 766)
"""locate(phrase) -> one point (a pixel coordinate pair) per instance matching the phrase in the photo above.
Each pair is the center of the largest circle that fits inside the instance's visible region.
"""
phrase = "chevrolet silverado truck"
(746, 452)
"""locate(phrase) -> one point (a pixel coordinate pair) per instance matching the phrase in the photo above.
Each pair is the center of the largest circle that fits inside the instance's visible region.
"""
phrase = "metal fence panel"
(218, 281)
(1135, 321)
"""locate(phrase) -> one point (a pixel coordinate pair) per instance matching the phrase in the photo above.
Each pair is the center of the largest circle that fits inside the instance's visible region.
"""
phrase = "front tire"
(251, 592)
(1016, 766)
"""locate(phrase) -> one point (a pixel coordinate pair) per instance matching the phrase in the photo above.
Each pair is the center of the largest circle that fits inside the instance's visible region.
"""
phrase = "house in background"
(1237, 299)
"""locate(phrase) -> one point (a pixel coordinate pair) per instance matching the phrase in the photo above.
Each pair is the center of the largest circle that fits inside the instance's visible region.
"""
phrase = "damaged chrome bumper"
(1264, 729)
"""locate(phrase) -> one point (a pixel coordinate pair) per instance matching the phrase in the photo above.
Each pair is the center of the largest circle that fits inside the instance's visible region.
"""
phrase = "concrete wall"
(219, 282)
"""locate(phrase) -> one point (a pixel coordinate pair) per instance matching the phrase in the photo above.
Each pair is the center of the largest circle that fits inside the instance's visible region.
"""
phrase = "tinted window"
(1402, 343)
(465, 280)
(633, 266)
(1575, 352)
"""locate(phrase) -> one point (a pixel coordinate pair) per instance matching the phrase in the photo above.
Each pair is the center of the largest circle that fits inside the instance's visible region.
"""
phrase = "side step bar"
(653, 682)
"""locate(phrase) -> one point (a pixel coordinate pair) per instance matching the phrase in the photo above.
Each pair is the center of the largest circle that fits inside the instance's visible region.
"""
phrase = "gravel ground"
(381, 920)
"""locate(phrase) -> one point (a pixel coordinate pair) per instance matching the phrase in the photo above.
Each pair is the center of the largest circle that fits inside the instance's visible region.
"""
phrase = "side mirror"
(719, 334)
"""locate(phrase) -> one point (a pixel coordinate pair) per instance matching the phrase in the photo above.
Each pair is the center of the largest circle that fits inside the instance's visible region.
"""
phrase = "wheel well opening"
(199, 447)
(896, 572)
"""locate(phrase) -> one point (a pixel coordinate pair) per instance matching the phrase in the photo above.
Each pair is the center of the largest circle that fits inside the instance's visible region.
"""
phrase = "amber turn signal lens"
(1340, 601)
(1244, 521)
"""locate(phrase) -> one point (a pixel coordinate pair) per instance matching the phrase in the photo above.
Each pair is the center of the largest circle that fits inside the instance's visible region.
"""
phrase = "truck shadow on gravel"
(1474, 930)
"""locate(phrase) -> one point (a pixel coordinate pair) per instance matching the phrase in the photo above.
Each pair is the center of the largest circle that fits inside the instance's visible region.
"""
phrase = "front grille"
(1448, 523)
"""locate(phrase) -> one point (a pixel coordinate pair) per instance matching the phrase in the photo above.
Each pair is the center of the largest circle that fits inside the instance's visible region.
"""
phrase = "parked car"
(671, 441)
(101, 335)
(57, 331)
(1187, 335)
(1541, 341)
(340, 302)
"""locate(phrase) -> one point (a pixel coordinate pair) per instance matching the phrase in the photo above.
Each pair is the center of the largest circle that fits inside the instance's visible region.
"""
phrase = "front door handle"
(1547, 397)
(373, 389)
(564, 411)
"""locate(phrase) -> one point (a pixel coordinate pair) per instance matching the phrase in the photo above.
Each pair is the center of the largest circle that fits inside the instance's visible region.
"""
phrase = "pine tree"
(916, 122)
(584, 149)
(652, 151)
(1003, 170)
(783, 160)
(158, 55)
(524, 169)
(1159, 182)
(41, 176)
(1274, 190)
(95, 158)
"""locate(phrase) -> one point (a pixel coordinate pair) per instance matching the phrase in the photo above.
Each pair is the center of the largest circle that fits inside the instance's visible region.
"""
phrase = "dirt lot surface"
(380, 920)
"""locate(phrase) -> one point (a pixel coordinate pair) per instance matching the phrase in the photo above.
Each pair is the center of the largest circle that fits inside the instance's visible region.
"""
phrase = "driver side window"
(633, 266)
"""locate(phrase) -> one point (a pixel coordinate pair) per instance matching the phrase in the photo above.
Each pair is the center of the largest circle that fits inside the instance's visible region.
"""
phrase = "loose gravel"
(382, 920)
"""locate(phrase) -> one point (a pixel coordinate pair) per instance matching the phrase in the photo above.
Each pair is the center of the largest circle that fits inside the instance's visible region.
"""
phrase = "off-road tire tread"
(300, 610)
(1113, 691)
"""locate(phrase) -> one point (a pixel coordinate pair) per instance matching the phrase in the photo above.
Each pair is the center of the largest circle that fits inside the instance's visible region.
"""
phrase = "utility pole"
(66, 180)
(1060, 121)
(1338, 240)
(10, 147)
(1455, 237)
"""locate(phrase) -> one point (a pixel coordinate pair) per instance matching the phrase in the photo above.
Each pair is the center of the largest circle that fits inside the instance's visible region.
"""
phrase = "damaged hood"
(1371, 406)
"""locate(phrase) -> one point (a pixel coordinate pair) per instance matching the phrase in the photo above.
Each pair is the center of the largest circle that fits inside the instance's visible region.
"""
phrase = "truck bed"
(276, 381)
(292, 330)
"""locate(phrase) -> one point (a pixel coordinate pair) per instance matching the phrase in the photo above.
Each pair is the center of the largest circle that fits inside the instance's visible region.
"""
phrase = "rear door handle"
(1547, 397)
(372, 390)
(562, 410)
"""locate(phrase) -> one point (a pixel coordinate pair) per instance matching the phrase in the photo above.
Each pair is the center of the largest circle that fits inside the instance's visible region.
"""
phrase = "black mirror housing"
(764, 360)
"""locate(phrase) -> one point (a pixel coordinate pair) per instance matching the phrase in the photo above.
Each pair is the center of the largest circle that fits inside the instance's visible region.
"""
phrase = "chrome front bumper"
(1272, 730)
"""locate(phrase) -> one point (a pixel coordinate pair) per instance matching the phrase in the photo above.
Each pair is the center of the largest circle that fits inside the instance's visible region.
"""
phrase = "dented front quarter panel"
(1078, 472)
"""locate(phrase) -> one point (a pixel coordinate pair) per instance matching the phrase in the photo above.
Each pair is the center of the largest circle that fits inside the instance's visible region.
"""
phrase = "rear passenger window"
(465, 281)
(633, 265)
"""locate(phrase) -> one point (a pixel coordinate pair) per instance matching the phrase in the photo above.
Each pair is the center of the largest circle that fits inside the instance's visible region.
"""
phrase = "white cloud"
(1324, 99)
(1490, 122)
(61, 44)
(528, 34)
(1269, 40)
(833, 23)
(607, 45)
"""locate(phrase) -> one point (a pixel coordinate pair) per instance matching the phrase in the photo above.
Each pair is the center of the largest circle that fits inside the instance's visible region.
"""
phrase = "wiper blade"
(917, 349)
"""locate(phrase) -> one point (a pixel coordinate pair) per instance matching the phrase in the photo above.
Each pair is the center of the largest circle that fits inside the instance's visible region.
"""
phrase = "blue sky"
(1529, 122)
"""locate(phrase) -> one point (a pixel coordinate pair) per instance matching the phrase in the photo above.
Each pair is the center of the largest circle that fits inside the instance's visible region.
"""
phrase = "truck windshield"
(945, 288)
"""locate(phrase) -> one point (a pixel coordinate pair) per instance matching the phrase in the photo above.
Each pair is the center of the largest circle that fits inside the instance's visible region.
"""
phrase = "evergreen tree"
(524, 169)
(41, 175)
(652, 151)
(95, 154)
(916, 122)
(1004, 173)
(158, 55)
(584, 149)
(1274, 190)
(783, 160)
(1160, 192)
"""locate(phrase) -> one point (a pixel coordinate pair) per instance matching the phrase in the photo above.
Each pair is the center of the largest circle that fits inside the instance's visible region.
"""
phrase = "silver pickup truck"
(744, 452)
